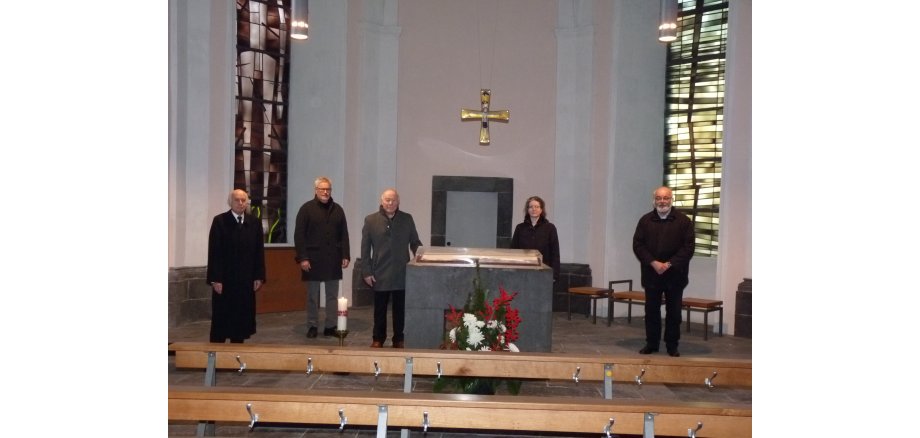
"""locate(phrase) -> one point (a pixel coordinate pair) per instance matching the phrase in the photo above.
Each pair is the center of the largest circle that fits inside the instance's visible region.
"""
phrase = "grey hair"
(230, 196)
(321, 179)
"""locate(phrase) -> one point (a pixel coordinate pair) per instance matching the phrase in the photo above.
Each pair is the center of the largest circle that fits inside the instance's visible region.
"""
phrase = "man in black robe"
(236, 270)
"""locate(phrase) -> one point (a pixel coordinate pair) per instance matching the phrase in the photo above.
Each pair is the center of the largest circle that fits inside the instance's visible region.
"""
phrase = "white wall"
(735, 243)
(448, 51)
(316, 110)
(636, 135)
(201, 58)
(576, 180)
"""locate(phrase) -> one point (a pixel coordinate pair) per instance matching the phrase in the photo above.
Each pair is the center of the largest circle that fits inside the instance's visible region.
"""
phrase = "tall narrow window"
(260, 149)
(693, 116)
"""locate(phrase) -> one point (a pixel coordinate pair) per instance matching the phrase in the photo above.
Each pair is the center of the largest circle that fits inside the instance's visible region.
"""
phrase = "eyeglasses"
(324, 189)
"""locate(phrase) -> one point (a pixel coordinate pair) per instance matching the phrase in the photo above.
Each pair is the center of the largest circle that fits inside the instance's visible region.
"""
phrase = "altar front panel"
(431, 288)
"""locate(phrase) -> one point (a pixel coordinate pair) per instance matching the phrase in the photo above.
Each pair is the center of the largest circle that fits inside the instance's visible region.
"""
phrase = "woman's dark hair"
(542, 207)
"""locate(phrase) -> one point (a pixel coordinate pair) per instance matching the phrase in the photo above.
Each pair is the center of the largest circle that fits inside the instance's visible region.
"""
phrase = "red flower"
(455, 316)
(501, 322)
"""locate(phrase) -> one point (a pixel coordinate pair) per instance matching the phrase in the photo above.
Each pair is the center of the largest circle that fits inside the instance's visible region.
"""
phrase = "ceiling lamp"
(300, 14)
(667, 27)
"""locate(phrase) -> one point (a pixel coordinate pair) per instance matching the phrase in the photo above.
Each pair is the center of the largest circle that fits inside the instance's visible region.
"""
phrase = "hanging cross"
(484, 116)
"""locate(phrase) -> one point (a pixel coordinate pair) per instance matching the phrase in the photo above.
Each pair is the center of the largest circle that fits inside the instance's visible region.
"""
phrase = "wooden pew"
(457, 411)
(608, 369)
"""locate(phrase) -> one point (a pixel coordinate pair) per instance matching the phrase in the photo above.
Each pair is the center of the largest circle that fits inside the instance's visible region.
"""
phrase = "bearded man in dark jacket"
(664, 242)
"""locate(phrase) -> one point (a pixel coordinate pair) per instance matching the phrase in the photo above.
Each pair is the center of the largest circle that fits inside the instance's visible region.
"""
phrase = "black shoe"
(648, 350)
(329, 331)
(312, 332)
(673, 352)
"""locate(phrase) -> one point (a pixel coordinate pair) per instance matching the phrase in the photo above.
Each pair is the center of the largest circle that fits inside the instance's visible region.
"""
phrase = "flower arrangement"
(482, 326)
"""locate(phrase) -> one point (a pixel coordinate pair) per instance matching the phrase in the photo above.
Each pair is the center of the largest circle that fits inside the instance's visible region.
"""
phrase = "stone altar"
(441, 276)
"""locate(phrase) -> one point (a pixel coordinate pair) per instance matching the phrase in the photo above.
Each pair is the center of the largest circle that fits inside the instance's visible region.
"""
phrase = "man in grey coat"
(322, 250)
(386, 239)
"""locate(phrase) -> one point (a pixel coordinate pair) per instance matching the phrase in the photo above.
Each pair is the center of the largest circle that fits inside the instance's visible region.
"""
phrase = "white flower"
(472, 322)
(475, 337)
(513, 348)
(453, 335)
(485, 348)
(492, 324)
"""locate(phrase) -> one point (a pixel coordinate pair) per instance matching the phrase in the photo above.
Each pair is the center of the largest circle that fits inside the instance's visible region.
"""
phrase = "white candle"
(342, 323)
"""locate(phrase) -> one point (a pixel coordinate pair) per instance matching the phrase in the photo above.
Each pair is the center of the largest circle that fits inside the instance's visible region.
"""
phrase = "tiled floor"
(577, 335)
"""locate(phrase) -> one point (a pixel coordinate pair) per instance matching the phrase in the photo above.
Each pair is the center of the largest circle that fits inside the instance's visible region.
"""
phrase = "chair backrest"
(629, 284)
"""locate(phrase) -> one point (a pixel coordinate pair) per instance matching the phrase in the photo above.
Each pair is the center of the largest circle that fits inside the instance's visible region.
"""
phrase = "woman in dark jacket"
(536, 232)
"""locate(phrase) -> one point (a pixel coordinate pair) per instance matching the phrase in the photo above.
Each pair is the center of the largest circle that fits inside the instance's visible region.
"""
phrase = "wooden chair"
(628, 296)
(591, 293)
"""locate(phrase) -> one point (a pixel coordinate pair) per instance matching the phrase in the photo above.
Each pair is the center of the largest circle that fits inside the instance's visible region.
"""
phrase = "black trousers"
(381, 299)
(673, 298)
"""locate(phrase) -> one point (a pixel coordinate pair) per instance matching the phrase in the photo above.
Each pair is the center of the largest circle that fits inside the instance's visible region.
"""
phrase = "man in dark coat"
(236, 270)
(663, 243)
(386, 239)
(322, 250)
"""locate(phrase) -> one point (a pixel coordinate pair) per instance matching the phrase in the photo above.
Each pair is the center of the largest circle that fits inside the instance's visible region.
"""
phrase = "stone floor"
(577, 335)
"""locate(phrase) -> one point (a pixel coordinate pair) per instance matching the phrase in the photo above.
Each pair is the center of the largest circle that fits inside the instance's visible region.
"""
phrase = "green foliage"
(475, 385)
(476, 301)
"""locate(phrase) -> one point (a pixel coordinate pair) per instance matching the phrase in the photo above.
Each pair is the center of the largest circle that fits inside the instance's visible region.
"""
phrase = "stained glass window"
(261, 91)
(693, 116)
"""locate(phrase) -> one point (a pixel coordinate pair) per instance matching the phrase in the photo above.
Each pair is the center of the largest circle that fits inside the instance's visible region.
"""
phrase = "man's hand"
(660, 267)
(305, 265)
(344, 263)
(370, 280)
(256, 285)
(218, 287)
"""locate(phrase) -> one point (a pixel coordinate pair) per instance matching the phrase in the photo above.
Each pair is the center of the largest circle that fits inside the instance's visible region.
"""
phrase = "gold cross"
(484, 116)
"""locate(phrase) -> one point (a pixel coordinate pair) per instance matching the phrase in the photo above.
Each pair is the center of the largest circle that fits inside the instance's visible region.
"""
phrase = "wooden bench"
(457, 411)
(594, 294)
(705, 306)
(309, 359)
(690, 304)
(453, 363)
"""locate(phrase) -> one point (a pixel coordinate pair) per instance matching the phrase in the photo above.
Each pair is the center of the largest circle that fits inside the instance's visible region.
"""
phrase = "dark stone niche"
(440, 185)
